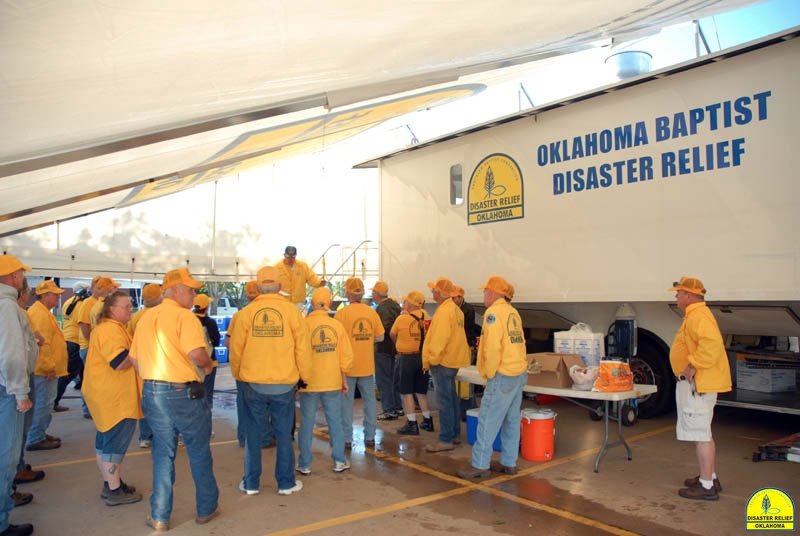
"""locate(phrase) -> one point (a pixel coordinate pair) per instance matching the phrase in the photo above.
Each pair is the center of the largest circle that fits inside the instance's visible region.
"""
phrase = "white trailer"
(611, 196)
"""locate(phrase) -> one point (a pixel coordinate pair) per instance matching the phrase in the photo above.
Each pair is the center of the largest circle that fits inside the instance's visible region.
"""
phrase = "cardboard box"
(764, 379)
(553, 369)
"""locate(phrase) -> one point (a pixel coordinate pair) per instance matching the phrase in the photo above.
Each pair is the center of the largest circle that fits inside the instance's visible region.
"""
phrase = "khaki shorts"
(695, 413)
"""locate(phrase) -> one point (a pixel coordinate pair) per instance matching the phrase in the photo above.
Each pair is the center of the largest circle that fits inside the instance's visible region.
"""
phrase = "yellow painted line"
(360, 516)
(470, 486)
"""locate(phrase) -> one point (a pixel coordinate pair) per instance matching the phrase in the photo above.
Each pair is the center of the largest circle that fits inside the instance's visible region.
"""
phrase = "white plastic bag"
(583, 377)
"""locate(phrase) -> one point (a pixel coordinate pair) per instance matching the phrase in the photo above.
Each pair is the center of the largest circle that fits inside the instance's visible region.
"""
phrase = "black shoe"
(122, 495)
(409, 428)
(427, 424)
(18, 530)
(387, 416)
(369, 443)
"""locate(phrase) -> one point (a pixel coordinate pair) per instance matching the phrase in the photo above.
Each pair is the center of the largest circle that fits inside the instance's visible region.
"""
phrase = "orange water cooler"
(538, 434)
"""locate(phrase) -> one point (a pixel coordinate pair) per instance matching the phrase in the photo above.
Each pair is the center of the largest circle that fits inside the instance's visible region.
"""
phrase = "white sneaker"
(338, 467)
(294, 489)
(303, 470)
(245, 490)
(145, 443)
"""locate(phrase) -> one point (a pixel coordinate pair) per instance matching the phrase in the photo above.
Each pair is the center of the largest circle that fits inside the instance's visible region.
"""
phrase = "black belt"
(171, 384)
(413, 353)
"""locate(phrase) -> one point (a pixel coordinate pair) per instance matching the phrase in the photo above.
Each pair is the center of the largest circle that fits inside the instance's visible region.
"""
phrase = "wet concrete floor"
(398, 488)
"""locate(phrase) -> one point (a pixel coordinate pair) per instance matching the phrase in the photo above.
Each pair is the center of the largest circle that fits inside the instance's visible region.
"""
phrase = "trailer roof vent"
(629, 63)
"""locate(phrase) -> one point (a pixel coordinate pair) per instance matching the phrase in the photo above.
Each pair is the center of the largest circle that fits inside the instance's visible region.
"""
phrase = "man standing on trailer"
(701, 368)
(294, 275)
(445, 351)
(504, 366)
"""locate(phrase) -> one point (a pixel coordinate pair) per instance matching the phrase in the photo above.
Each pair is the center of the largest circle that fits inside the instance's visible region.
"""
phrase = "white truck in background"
(609, 197)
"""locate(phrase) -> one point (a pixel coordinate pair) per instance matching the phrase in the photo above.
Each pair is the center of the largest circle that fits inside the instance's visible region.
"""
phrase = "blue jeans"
(366, 386)
(42, 408)
(444, 382)
(84, 407)
(388, 387)
(170, 412)
(27, 419)
(12, 423)
(332, 406)
(209, 381)
(500, 410)
(256, 408)
(145, 433)
(112, 444)
(268, 437)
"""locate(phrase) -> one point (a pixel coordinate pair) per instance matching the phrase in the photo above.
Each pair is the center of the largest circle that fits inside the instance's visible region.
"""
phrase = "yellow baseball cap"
(354, 285)
(251, 290)
(415, 298)
(499, 285)
(151, 291)
(322, 296)
(106, 284)
(689, 284)
(268, 273)
(10, 264)
(180, 276)
(48, 286)
(381, 287)
(202, 301)
(442, 284)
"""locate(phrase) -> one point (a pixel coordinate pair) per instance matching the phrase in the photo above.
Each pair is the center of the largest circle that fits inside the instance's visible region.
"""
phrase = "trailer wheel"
(628, 415)
(651, 366)
(596, 414)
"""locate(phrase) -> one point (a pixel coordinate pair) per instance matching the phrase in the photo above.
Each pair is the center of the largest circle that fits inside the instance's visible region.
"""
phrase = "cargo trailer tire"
(651, 366)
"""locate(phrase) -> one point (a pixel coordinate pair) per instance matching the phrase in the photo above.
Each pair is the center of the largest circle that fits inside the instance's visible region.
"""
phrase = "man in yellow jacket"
(445, 351)
(364, 327)
(332, 356)
(294, 275)
(52, 364)
(503, 364)
(269, 354)
(701, 368)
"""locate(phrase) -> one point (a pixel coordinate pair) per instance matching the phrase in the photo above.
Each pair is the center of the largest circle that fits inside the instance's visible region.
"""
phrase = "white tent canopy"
(108, 104)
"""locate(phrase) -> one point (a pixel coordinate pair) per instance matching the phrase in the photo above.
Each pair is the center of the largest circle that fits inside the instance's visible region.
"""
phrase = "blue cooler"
(221, 354)
(472, 430)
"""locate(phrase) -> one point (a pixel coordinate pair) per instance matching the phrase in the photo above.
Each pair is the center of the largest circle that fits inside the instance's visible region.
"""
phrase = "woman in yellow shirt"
(111, 389)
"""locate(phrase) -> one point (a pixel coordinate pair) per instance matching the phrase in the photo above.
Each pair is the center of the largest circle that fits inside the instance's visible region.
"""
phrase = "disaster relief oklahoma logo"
(769, 509)
(267, 322)
(495, 191)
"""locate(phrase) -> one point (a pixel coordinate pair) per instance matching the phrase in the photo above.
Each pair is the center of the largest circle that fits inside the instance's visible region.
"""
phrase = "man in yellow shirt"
(169, 351)
(444, 352)
(701, 368)
(331, 357)
(503, 364)
(407, 332)
(70, 331)
(269, 354)
(294, 275)
(52, 364)
(364, 327)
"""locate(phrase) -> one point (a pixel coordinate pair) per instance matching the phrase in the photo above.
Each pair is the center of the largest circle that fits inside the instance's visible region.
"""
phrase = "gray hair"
(269, 288)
